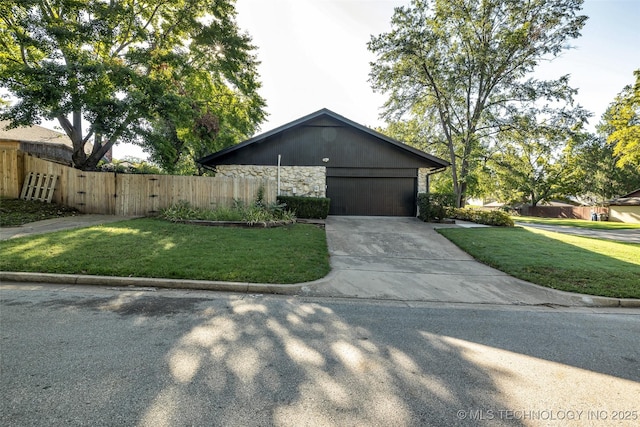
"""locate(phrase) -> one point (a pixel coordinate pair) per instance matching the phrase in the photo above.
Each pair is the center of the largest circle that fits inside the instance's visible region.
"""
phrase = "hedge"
(435, 206)
(307, 207)
(498, 218)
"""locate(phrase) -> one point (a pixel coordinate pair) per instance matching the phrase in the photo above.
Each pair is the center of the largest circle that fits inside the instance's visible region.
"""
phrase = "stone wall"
(422, 180)
(308, 181)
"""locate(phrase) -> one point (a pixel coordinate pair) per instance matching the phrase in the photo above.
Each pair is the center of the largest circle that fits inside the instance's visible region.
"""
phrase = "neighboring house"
(38, 141)
(625, 208)
(494, 205)
(556, 203)
(41, 142)
(323, 154)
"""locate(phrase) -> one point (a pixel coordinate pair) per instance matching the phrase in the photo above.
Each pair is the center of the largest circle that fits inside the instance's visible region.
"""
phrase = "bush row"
(498, 218)
(251, 214)
(306, 207)
(437, 206)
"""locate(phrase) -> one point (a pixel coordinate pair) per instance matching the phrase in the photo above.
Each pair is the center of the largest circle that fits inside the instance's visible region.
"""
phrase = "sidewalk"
(57, 224)
(631, 235)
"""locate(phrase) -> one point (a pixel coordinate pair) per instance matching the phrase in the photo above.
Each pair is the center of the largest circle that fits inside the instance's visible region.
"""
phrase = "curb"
(596, 301)
(73, 279)
(585, 300)
(576, 300)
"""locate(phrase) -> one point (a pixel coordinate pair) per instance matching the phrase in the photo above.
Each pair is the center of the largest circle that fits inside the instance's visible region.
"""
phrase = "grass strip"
(580, 223)
(560, 261)
(155, 248)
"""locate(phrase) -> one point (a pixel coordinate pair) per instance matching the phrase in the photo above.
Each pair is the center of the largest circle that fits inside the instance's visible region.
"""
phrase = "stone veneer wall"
(422, 180)
(309, 181)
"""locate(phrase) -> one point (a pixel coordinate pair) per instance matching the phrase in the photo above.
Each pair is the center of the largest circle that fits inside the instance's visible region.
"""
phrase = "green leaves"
(459, 68)
(112, 71)
(621, 125)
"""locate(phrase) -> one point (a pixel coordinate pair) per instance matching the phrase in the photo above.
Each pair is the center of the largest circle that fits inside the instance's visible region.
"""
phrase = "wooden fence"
(129, 194)
(573, 212)
(11, 172)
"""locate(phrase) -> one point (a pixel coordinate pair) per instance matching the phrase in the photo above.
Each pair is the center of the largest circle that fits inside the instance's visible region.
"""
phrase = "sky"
(314, 55)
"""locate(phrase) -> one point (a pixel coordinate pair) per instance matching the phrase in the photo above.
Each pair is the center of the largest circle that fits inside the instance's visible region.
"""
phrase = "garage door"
(372, 196)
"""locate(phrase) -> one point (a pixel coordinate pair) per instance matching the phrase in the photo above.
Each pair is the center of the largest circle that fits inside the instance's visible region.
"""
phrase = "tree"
(127, 71)
(416, 133)
(530, 164)
(592, 171)
(621, 125)
(216, 117)
(461, 67)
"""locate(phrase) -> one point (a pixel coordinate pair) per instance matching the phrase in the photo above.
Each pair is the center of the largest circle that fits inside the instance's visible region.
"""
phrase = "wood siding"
(373, 173)
(309, 144)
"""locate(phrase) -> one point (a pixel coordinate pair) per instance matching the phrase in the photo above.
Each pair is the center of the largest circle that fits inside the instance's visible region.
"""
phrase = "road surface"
(145, 357)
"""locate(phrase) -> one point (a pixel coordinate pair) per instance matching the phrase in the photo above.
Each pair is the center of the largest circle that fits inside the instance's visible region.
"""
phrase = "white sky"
(314, 55)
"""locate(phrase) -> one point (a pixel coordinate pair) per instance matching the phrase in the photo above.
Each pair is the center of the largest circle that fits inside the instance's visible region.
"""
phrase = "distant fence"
(574, 212)
(130, 194)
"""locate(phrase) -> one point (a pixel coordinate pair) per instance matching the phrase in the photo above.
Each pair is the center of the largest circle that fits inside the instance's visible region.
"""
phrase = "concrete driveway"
(406, 259)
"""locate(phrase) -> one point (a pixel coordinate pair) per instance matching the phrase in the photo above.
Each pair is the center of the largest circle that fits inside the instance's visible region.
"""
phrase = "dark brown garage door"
(372, 196)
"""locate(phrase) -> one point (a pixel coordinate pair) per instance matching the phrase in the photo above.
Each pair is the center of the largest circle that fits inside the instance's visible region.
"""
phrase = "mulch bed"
(239, 224)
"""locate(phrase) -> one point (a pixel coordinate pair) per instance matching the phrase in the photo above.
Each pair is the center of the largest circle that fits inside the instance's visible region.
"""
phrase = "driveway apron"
(406, 259)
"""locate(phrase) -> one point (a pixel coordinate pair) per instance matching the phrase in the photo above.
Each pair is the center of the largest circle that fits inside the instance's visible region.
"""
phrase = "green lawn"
(560, 261)
(156, 248)
(596, 225)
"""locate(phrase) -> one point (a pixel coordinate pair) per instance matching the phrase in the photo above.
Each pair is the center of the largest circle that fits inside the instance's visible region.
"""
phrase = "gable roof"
(634, 193)
(631, 199)
(320, 113)
(33, 133)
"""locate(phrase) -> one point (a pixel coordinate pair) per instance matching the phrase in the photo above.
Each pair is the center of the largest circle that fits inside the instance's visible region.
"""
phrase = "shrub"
(181, 211)
(252, 214)
(435, 206)
(498, 218)
(260, 213)
(307, 207)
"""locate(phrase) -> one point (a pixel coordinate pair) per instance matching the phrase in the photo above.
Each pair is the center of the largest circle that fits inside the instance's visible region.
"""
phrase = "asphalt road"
(144, 357)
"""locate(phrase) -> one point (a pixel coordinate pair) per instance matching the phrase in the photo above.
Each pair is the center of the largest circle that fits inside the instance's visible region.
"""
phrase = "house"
(323, 154)
(625, 208)
(37, 141)
(41, 142)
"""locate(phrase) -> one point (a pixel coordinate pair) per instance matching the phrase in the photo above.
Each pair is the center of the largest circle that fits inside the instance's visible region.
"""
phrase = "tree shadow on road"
(256, 360)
